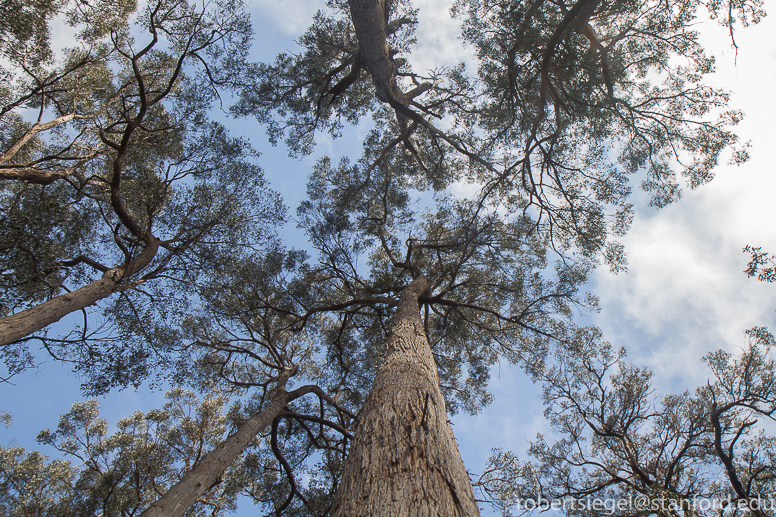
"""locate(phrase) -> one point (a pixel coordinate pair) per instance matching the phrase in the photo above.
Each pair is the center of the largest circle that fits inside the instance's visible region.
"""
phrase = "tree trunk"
(370, 20)
(207, 472)
(404, 460)
(26, 322)
(209, 469)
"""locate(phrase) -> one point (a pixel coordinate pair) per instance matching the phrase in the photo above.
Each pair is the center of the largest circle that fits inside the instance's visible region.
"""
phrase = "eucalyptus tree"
(488, 289)
(241, 341)
(619, 443)
(113, 180)
(265, 321)
(569, 101)
(245, 339)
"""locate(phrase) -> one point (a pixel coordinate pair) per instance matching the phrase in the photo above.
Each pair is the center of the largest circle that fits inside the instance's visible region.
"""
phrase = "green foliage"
(107, 154)
(30, 485)
(616, 440)
(122, 472)
(594, 98)
(25, 22)
(758, 260)
(308, 108)
(566, 106)
(494, 292)
(39, 227)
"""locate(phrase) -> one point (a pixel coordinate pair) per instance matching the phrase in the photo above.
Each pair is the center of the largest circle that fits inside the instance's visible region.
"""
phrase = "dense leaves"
(570, 101)
(114, 182)
(118, 473)
(494, 292)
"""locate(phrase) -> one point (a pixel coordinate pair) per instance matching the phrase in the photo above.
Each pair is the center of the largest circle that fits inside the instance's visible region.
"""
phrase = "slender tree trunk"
(209, 469)
(207, 472)
(26, 322)
(404, 460)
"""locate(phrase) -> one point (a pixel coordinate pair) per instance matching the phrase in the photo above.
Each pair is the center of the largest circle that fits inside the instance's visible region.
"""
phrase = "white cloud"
(438, 42)
(290, 17)
(464, 189)
(685, 292)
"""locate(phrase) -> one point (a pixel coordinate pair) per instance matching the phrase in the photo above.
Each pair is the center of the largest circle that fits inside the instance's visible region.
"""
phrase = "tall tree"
(404, 460)
(570, 100)
(489, 292)
(245, 338)
(119, 185)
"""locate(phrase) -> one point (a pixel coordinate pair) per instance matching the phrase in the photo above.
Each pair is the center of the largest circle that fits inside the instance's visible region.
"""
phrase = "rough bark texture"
(26, 322)
(370, 20)
(404, 460)
(208, 471)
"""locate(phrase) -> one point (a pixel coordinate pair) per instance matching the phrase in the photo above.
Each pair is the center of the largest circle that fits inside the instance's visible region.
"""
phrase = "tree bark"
(370, 20)
(30, 175)
(404, 460)
(28, 321)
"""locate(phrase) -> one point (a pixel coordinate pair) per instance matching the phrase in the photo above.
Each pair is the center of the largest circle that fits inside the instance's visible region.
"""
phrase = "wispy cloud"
(289, 17)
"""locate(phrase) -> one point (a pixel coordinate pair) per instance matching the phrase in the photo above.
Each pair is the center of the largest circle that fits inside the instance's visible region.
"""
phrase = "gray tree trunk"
(26, 322)
(404, 461)
(370, 19)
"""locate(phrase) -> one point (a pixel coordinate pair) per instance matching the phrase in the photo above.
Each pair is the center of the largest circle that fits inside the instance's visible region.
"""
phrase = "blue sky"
(685, 292)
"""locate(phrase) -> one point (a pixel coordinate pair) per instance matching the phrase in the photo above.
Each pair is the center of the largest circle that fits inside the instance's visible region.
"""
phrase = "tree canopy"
(120, 187)
(688, 453)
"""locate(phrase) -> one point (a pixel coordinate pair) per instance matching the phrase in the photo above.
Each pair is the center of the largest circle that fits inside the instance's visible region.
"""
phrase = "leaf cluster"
(616, 440)
(119, 472)
(111, 168)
